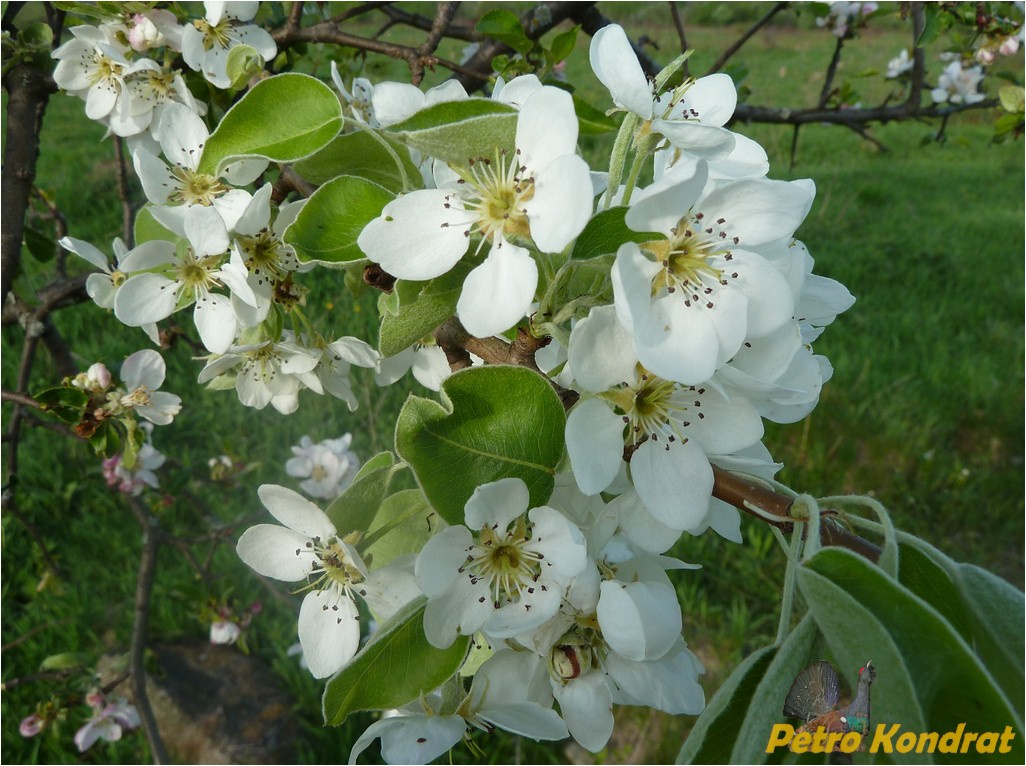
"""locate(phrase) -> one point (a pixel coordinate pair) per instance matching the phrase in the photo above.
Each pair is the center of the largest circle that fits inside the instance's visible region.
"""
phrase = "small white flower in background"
(147, 461)
(326, 468)
(505, 572)
(207, 42)
(899, 65)
(843, 15)
(108, 722)
(142, 374)
(308, 548)
(224, 632)
(958, 85)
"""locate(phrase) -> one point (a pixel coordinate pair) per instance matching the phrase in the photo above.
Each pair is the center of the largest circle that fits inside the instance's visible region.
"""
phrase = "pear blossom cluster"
(124, 69)
(701, 330)
(843, 16)
(706, 331)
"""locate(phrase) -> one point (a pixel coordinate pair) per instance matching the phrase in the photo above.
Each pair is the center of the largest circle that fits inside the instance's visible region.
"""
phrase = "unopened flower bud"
(1009, 46)
(30, 726)
(568, 661)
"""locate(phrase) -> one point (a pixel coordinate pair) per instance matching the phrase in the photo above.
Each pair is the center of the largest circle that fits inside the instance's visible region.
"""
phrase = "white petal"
(659, 207)
(182, 135)
(560, 542)
(714, 98)
(678, 342)
(257, 214)
(641, 528)
(497, 503)
(632, 276)
(411, 739)
(594, 441)
(430, 367)
(616, 66)
(393, 102)
(587, 706)
(277, 552)
(148, 255)
(639, 620)
(205, 230)
(546, 128)
(461, 611)
(706, 141)
(85, 250)
(498, 293)
(759, 210)
(439, 561)
(144, 368)
(601, 351)
(669, 684)
(216, 322)
(155, 175)
(329, 630)
(231, 205)
(145, 298)
(417, 236)
(101, 289)
(296, 512)
(562, 203)
(674, 481)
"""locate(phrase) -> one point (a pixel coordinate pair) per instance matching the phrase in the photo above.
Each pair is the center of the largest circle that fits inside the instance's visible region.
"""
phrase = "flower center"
(693, 260)
(138, 398)
(495, 193)
(105, 70)
(214, 34)
(196, 275)
(319, 472)
(655, 408)
(505, 560)
(195, 188)
(266, 257)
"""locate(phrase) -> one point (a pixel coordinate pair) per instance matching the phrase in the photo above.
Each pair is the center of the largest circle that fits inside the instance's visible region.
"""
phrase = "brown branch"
(725, 56)
(140, 627)
(38, 629)
(127, 212)
(28, 91)
(678, 24)
(882, 114)
(463, 32)
(288, 181)
(743, 493)
(443, 18)
(831, 73)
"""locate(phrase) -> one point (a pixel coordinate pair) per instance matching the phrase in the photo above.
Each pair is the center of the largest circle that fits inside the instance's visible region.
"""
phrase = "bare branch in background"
(736, 46)
(678, 24)
(127, 209)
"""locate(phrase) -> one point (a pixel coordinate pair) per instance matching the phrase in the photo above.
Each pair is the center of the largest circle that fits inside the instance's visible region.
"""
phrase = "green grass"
(924, 411)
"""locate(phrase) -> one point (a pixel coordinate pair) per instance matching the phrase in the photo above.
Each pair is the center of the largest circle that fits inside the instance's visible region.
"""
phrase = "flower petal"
(498, 293)
(296, 512)
(594, 441)
(674, 481)
(145, 298)
(329, 630)
(616, 65)
(639, 620)
(277, 552)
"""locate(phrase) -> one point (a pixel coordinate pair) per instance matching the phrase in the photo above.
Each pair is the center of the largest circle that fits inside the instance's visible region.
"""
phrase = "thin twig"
(678, 24)
(725, 56)
(828, 83)
(127, 212)
(140, 627)
(38, 629)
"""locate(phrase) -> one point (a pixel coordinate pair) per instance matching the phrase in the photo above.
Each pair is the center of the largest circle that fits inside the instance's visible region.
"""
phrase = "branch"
(678, 24)
(127, 213)
(28, 91)
(725, 56)
(743, 494)
(137, 654)
(456, 31)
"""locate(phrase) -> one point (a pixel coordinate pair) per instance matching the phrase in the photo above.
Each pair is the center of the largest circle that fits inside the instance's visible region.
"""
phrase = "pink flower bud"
(30, 726)
(985, 56)
(1009, 46)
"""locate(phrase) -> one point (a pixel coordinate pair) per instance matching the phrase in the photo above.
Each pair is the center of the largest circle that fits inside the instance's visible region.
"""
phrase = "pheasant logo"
(813, 699)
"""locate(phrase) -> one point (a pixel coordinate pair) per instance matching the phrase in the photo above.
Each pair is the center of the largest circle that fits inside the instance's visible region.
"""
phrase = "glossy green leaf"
(40, 246)
(460, 131)
(418, 308)
(326, 229)
(505, 27)
(928, 678)
(766, 707)
(283, 118)
(715, 733)
(395, 667)
(64, 403)
(380, 460)
(494, 422)
(605, 232)
(355, 509)
(564, 43)
(147, 228)
(359, 154)
(401, 526)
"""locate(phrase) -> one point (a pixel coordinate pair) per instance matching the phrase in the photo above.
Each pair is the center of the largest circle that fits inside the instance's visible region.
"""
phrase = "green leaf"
(459, 131)
(66, 404)
(605, 232)
(933, 26)
(41, 247)
(766, 707)
(64, 661)
(932, 583)
(564, 43)
(402, 525)
(354, 510)
(381, 460)
(505, 27)
(495, 422)
(420, 308)
(326, 229)
(1012, 98)
(929, 679)
(395, 667)
(715, 733)
(358, 154)
(592, 121)
(147, 228)
(283, 118)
